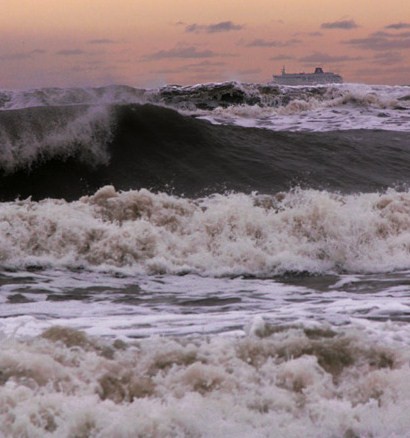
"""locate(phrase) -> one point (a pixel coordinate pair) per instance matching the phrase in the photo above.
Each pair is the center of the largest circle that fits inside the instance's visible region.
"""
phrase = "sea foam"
(220, 235)
(279, 382)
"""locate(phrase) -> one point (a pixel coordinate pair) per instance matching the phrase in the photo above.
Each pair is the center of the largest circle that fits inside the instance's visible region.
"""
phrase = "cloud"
(382, 34)
(311, 34)
(223, 26)
(318, 57)
(250, 71)
(382, 41)
(398, 26)
(71, 52)
(281, 58)
(102, 41)
(198, 67)
(168, 71)
(21, 55)
(342, 24)
(387, 58)
(371, 71)
(206, 64)
(180, 52)
(272, 43)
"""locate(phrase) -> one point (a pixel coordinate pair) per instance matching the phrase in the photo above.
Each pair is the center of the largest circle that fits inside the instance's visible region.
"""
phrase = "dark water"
(157, 148)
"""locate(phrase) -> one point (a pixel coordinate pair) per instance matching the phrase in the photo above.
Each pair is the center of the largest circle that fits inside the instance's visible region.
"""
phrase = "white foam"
(288, 383)
(234, 234)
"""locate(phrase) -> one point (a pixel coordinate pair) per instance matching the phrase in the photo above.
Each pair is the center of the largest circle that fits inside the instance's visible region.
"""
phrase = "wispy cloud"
(21, 55)
(383, 34)
(310, 34)
(102, 41)
(271, 43)
(342, 24)
(282, 57)
(206, 63)
(250, 71)
(168, 71)
(398, 26)
(71, 52)
(381, 72)
(198, 67)
(180, 52)
(382, 41)
(205, 66)
(318, 57)
(387, 58)
(223, 26)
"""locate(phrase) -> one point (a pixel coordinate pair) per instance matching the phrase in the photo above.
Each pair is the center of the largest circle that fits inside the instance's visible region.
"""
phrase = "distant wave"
(278, 108)
(213, 95)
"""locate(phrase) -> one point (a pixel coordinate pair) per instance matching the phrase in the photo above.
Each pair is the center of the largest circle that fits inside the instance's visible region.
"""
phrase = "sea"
(218, 260)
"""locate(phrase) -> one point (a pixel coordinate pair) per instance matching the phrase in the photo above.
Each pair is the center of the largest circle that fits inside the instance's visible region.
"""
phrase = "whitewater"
(216, 260)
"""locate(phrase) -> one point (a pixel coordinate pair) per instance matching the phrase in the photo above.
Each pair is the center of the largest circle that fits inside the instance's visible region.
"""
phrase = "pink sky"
(146, 43)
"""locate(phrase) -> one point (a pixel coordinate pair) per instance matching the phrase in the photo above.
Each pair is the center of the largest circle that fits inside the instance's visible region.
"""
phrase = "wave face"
(70, 151)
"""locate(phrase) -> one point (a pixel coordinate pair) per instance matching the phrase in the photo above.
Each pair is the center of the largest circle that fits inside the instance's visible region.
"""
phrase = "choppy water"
(162, 275)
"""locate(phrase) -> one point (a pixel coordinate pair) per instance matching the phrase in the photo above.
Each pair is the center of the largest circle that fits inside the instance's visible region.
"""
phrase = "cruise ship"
(318, 77)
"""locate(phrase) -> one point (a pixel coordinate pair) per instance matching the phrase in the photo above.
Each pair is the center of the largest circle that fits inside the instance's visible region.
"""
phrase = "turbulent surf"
(214, 260)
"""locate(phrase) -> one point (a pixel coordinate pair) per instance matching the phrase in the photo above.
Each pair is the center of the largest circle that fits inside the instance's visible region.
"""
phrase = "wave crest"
(39, 134)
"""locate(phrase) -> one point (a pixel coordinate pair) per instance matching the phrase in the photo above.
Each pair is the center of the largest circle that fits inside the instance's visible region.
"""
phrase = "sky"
(149, 43)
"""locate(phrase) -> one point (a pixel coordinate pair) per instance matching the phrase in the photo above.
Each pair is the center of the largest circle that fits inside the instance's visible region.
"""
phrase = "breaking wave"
(220, 235)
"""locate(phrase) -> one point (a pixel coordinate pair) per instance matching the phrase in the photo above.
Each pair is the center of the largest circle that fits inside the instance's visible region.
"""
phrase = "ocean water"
(220, 260)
